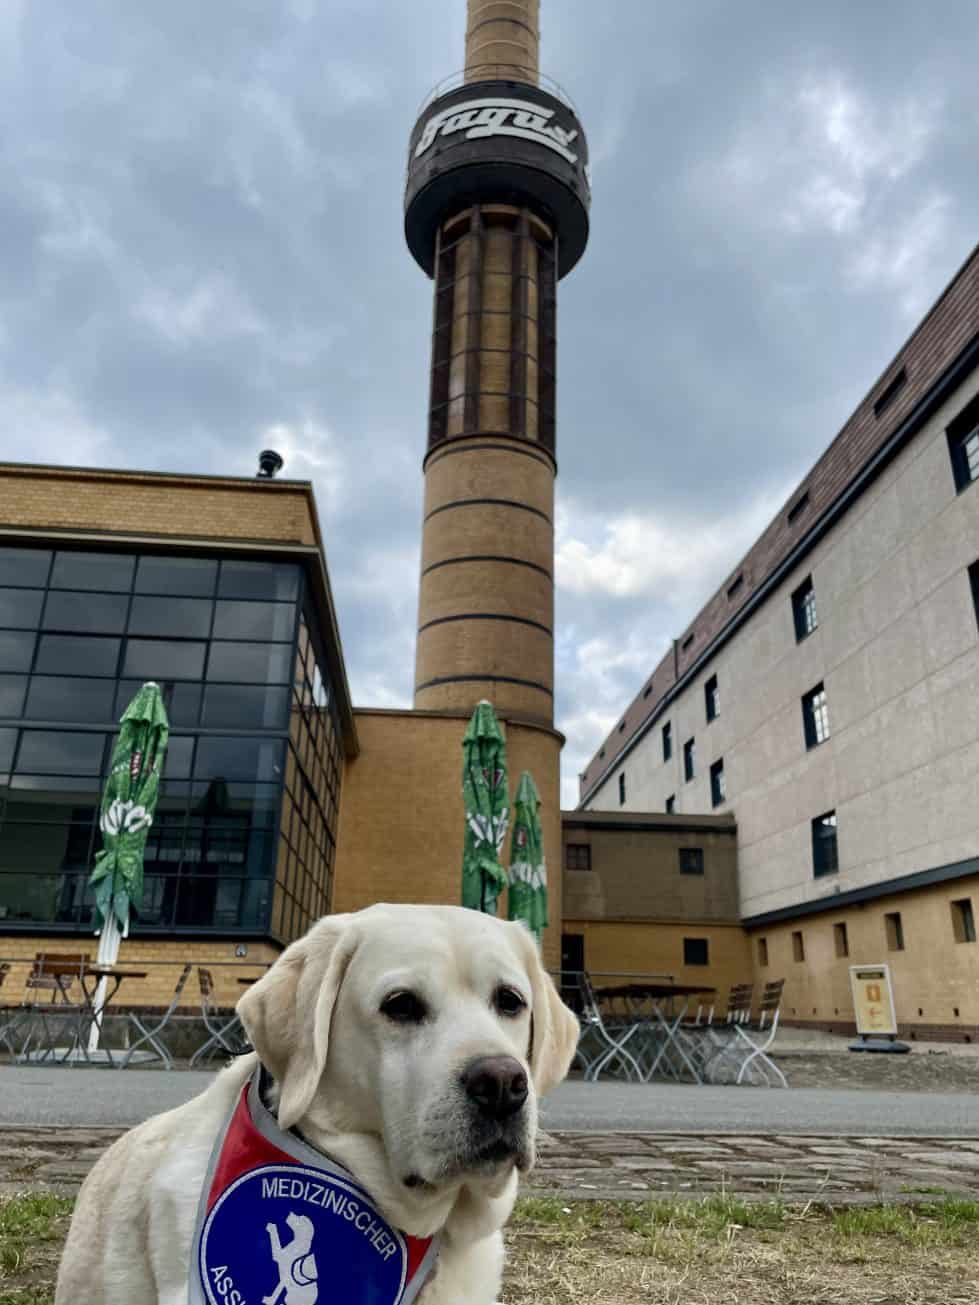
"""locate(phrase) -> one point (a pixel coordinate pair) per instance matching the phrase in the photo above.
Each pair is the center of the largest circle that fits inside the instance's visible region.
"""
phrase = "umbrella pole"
(108, 954)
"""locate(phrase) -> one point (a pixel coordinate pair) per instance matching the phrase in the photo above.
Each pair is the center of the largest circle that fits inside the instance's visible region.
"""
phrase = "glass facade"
(235, 647)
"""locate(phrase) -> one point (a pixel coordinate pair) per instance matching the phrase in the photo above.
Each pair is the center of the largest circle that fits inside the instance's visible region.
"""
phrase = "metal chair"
(10, 1016)
(221, 1027)
(755, 1038)
(152, 1035)
(720, 1034)
(54, 974)
(611, 1037)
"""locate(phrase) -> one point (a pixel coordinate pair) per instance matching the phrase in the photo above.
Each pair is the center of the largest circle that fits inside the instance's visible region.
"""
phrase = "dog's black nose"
(496, 1084)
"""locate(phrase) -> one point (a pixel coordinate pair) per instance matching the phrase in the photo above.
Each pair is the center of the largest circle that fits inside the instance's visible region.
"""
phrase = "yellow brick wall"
(651, 947)
(401, 814)
(162, 960)
(176, 506)
(935, 978)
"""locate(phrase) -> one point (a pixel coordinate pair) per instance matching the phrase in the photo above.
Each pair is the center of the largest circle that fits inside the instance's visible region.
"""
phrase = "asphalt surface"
(31, 1094)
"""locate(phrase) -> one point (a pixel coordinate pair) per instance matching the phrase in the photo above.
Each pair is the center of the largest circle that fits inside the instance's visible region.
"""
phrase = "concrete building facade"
(828, 696)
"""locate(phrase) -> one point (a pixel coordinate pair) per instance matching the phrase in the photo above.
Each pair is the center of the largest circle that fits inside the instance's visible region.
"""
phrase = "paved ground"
(31, 1095)
(626, 1165)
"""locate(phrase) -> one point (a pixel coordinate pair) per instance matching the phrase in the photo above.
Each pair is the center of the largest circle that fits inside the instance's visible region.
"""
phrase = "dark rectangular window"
(763, 952)
(66, 654)
(695, 951)
(577, 856)
(170, 618)
(804, 610)
(798, 507)
(187, 576)
(250, 663)
(798, 946)
(815, 716)
(16, 650)
(67, 698)
(271, 621)
(110, 571)
(718, 788)
(60, 752)
(712, 699)
(20, 609)
(245, 706)
(24, 566)
(689, 759)
(164, 659)
(963, 920)
(894, 930)
(12, 689)
(671, 804)
(974, 582)
(840, 940)
(825, 858)
(272, 580)
(85, 613)
(667, 741)
(691, 860)
(890, 392)
(622, 788)
(963, 446)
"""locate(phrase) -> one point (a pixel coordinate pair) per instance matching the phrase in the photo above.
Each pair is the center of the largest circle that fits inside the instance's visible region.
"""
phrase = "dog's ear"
(555, 1028)
(287, 1013)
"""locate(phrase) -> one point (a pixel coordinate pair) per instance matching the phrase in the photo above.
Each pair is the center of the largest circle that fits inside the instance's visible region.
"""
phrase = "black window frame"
(712, 699)
(963, 447)
(825, 847)
(621, 788)
(692, 953)
(974, 586)
(841, 939)
(963, 920)
(690, 760)
(667, 737)
(815, 716)
(718, 785)
(670, 806)
(894, 931)
(575, 854)
(805, 615)
(690, 861)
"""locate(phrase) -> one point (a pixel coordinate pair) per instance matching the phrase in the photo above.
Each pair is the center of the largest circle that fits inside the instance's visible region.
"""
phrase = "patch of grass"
(941, 1223)
(32, 1229)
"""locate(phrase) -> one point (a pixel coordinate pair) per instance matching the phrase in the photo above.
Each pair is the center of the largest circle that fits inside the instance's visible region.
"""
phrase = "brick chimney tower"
(496, 211)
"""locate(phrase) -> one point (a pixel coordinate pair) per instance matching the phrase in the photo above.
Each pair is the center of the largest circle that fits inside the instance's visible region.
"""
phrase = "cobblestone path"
(626, 1165)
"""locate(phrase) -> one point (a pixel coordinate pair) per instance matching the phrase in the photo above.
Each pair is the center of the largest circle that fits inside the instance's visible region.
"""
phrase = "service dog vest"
(280, 1224)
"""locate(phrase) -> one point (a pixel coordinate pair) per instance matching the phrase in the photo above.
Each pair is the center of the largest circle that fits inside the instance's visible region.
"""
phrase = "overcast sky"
(201, 254)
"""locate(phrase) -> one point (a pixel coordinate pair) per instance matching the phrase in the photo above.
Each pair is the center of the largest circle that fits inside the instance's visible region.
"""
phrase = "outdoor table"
(115, 976)
(645, 1004)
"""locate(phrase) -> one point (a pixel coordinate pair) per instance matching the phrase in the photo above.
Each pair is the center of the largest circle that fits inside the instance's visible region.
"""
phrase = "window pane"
(238, 758)
(20, 608)
(8, 737)
(228, 706)
(24, 895)
(259, 580)
(181, 700)
(66, 654)
(160, 659)
(93, 571)
(60, 752)
(68, 699)
(24, 566)
(12, 694)
(180, 753)
(176, 575)
(255, 663)
(99, 613)
(171, 617)
(66, 801)
(254, 621)
(16, 650)
(254, 804)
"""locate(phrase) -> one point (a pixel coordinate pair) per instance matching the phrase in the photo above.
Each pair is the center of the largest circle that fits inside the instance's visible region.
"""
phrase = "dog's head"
(432, 1029)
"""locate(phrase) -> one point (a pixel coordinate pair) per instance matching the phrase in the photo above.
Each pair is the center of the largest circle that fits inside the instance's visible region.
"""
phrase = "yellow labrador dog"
(378, 1129)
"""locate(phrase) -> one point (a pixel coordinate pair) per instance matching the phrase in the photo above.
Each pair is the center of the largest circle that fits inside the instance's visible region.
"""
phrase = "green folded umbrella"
(486, 800)
(128, 806)
(528, 872)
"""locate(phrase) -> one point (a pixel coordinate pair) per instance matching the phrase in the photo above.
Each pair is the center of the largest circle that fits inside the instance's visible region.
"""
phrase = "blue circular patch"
(288, 1235)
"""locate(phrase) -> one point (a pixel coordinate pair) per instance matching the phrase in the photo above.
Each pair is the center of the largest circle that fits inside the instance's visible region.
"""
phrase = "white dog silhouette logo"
(298, 1274)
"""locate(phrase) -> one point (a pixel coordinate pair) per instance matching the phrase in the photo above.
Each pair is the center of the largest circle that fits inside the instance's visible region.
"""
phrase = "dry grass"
(655, 1253)
(723, 1249)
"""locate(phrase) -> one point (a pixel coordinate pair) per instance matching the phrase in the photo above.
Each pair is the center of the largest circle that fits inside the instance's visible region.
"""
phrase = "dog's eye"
(508, 1001)
(404, 1008)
